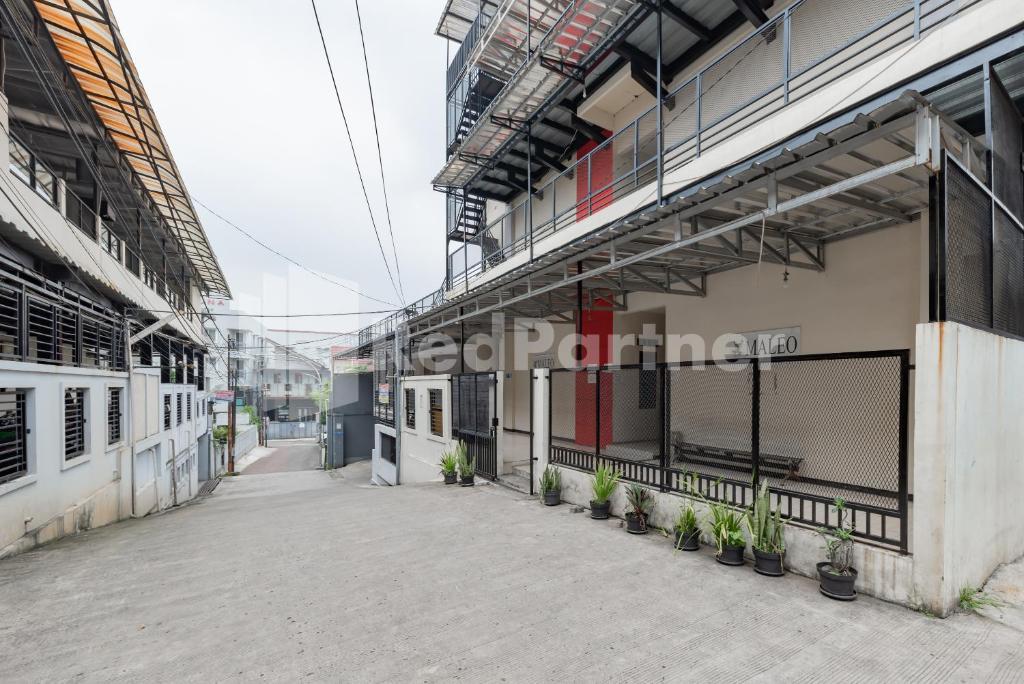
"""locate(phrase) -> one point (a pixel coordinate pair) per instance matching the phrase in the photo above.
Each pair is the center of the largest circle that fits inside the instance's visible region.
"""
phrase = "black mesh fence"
(473, 413)
(814, 428)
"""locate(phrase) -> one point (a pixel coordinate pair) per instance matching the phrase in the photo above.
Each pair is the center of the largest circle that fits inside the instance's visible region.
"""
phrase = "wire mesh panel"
(968, 212)
(473, 414)
(831, 427)
(815, 34)
(1007, 133)
(1008, 275)
(631, 405)
(746, 73)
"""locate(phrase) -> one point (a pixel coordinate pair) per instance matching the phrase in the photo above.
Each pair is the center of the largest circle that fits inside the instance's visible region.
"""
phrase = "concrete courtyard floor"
(320, 576)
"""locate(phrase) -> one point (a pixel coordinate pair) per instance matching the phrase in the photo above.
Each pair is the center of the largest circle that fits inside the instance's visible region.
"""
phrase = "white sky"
(242, 92)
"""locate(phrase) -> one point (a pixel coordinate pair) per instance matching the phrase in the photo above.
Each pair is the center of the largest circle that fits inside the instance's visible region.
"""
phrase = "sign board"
(761, 343)
(223, 395)
(384, 393)
(545, 361)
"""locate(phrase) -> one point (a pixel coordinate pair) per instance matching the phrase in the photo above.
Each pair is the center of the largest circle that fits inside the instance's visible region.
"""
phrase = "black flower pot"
(450, 478)
(731, 555)
(600, 511)
(467, 481)
(769, 564)
(553, 498)
(636, 524)
(689, 542)
(836, 586)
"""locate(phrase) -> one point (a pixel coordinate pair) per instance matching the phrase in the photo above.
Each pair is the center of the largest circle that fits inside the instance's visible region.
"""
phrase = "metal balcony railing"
(31, 170)
(458, 63)
(794, 55)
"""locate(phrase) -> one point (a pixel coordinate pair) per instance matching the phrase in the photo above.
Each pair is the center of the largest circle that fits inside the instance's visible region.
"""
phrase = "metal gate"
(294, 429)
(475, 419)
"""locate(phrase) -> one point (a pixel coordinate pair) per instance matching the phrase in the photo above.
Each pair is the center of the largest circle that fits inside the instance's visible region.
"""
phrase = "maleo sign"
(777, 342)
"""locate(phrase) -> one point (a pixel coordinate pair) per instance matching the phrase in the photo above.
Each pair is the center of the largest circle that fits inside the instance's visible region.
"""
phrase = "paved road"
(289, 455)
(305, 575)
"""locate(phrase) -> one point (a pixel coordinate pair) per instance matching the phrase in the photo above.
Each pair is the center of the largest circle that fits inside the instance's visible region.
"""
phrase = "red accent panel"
(598, 178)
(596, 327)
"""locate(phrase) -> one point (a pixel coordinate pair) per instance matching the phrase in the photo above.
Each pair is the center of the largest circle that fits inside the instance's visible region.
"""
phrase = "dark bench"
(785, 467)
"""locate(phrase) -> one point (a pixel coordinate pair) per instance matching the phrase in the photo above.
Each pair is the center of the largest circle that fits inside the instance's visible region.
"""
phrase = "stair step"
(516, 482)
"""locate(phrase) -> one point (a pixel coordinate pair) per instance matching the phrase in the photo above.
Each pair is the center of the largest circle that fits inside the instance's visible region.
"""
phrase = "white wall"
(422, 450)
(969, 475)
(59, 497)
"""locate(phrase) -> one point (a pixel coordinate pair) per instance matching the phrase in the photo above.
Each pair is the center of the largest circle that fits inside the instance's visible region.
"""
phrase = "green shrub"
(686, 521)
(605, 482)
(550, 480)
(449, 463)
(725, 526)
(765, 526)
(641, 503)
(464, 460)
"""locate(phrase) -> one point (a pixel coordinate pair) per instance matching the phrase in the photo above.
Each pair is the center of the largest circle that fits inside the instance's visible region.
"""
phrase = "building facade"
(103, 266)
(720, 244)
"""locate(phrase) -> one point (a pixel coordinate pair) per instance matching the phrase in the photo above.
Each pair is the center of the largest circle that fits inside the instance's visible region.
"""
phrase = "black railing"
(813, 427)
(458, 63)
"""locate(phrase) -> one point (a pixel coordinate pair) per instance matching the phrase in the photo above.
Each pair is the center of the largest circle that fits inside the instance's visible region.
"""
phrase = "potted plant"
(687, 531)
(837, 575)
(605, 482)
(766, 537)
(465, 462)
(551, 486)
(641, 503)
(727, 531)
(450, 467)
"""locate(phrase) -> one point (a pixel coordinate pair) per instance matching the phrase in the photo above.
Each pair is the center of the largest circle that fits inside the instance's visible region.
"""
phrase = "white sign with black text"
(777, 342)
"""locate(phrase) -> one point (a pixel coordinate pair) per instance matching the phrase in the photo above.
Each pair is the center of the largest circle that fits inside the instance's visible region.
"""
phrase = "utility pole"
(231, 413)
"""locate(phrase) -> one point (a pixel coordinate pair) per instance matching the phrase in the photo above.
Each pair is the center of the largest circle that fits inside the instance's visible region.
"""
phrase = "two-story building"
(103, 266)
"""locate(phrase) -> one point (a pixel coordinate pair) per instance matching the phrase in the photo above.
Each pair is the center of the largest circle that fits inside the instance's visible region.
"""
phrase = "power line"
(283, 256)
(352, 145)
(380, 156)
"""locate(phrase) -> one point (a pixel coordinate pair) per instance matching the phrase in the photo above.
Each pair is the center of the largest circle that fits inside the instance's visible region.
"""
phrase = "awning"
(86, 34)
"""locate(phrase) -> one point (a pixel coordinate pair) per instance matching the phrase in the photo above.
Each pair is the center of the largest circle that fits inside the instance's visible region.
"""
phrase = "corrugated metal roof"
(86, 34)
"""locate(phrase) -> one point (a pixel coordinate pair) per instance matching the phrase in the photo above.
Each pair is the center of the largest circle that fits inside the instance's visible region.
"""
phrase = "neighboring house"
(103, 263)
(834, 189)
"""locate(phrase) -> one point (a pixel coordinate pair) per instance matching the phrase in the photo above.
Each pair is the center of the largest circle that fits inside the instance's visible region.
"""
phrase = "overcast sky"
(242, 92)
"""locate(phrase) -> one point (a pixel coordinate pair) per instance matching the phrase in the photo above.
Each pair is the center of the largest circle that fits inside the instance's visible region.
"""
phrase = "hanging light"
(785, 278)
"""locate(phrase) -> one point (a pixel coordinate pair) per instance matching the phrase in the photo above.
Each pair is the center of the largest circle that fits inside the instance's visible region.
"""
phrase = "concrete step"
(516, 482)
(522, 470)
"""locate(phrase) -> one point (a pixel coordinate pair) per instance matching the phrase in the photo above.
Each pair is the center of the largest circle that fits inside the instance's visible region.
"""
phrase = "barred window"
(188, 406)
(167, 412)
(13, 452)
(436, 413)
(410, 408)
(114, 415)
(74, 423)
(179, 413)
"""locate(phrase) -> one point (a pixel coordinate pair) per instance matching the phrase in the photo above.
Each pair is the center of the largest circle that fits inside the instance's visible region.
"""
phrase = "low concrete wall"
(246, 439)
(969, 473)
(881, 573)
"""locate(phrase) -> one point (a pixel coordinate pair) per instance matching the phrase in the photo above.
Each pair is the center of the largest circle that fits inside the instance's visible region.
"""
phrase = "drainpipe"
(131, 411)
(399, 391)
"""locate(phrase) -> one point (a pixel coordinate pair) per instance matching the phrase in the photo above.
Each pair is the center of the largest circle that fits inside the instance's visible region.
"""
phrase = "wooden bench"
(785, 467)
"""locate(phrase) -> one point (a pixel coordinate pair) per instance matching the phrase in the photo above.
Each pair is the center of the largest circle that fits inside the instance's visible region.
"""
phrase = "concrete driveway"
(285, 456)
(319, 576)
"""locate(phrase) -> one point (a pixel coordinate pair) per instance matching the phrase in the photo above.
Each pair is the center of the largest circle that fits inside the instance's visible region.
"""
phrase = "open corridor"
(321, 576)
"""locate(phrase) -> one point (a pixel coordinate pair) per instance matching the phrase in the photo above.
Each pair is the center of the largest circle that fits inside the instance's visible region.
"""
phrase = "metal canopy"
(86, 35)
(867, 174)
(564, 33)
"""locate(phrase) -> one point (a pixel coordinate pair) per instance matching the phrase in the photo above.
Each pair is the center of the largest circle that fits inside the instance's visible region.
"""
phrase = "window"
(167, 412)
(74, 423)
(410, 408)
(114, 415)
(178, 403)
(13, 454)
(436, 413)
(188, 406)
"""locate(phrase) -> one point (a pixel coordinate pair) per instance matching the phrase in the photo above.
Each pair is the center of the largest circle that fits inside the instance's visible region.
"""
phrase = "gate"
(475, 419)
(294, 429)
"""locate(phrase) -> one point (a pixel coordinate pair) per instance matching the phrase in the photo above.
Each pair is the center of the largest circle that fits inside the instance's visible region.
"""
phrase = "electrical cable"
(352, 145)
(380, 156)
(283, 256)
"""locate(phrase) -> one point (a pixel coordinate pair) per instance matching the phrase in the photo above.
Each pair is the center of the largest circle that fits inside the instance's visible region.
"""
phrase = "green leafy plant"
(686, 522)
(765, 526)
(641, 503)
(725, 526)
(550, 480)
(973, 598)
(220, 434)
(839, 540)
(464, 460)
(605, 481)
(449, 463)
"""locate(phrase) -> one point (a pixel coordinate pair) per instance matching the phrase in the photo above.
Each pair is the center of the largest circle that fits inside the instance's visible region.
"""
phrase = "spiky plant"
(641, 503)
(725, 526)
(550, 480)
(606, 480)
(764, 525)
(686, 521)
(464, 460)
(449, 463)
